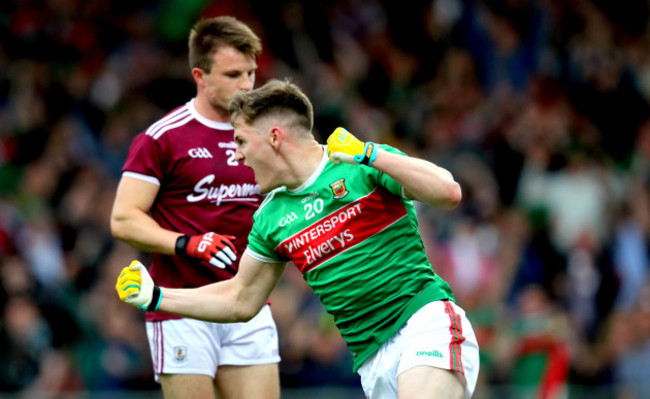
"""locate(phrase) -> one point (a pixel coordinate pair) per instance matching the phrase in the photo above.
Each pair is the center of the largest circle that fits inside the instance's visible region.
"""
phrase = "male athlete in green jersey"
(344, 215)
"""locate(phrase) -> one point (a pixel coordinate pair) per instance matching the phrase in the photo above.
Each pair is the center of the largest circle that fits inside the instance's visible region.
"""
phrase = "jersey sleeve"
(259, 249)
(386, 181)
(145, 157)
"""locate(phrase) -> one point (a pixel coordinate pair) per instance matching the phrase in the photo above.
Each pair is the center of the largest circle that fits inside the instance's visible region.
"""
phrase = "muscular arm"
(422, 180)
(131, 223)
(235, 300)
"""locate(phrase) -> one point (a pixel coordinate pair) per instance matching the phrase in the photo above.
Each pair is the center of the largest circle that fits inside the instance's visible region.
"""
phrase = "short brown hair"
(207, 35)
(275, 97)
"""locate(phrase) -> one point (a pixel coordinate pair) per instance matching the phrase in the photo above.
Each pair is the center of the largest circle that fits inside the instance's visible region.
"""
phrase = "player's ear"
(275, 137)
(197, 74)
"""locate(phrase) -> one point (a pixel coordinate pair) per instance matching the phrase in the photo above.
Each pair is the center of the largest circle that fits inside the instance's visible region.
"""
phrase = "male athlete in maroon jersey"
(205, 190)
(185, 199)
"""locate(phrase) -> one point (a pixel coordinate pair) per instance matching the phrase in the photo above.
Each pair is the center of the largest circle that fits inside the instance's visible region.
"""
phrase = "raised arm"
(422, 180)
(236, 300)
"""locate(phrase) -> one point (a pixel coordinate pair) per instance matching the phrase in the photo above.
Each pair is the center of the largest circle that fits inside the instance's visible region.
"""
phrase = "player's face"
(254, 150)
(231, 71)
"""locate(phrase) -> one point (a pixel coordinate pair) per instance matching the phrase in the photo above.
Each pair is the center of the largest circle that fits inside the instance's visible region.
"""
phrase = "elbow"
(118, 230)
(456, 195)
(115, 228)
(245, 318)
(453, 197)
(243, 314)
(245, 307)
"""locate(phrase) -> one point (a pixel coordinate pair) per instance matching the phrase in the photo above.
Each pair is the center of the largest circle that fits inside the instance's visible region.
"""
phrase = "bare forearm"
(140, 231)
(235, 300)
(422, 180)
(218, 302)
(131, 222)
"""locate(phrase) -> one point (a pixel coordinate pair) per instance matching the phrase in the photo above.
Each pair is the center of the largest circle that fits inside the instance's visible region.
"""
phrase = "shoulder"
(272, 196)
(173, 121)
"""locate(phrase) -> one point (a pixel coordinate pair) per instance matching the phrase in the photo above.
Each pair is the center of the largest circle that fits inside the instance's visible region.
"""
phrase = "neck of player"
(305, 163)
(205, 109)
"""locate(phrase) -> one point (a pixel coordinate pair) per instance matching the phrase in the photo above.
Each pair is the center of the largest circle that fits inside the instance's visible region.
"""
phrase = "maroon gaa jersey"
(202, 189)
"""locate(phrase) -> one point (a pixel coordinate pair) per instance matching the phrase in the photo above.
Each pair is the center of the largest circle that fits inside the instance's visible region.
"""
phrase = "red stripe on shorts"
(158, 351)
(161, 348)
(457, 338)
(154, 348)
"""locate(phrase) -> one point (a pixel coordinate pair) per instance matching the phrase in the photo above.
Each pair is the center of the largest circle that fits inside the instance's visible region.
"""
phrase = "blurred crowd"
(540, 109)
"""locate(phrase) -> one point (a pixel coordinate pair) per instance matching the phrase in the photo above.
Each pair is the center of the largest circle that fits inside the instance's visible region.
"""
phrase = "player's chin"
(265, 187)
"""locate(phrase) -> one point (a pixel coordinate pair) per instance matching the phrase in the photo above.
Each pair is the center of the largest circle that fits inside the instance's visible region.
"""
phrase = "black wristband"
(156, 296)
(181, 244)
(369, 154)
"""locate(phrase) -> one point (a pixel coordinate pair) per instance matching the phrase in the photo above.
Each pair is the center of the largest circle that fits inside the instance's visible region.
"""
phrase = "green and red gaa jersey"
(355, 239)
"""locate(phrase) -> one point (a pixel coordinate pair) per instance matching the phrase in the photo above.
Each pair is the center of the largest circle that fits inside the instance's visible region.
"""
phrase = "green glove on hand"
(135, 287)
(342, 146)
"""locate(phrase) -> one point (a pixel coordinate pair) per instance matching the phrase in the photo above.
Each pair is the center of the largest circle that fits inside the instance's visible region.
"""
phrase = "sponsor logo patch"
(204, 189)
(342, 229)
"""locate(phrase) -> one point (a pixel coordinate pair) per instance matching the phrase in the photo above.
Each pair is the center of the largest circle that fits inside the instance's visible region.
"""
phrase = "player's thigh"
(241, 382)
(187, 386)
(248, 359)
(425, 382)
(184, 346)
(440, 338)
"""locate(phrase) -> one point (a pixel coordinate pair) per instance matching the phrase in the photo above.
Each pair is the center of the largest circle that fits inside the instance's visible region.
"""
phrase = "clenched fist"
(210, 247)
(342, 146)
(135, 287)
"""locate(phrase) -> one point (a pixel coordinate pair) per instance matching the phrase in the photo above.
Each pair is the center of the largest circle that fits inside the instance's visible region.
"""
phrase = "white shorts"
(437, 335)
(189, 346)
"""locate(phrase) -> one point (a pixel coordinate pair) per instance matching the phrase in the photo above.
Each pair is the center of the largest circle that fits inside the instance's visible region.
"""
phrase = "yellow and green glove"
(342, 146)
(135, 287)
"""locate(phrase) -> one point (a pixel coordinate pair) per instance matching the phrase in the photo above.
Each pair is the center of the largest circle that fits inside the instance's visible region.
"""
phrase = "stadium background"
(538, 107)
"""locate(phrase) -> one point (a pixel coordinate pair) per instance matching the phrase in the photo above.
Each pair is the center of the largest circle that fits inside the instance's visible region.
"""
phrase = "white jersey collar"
(314, 175)
(207, 122)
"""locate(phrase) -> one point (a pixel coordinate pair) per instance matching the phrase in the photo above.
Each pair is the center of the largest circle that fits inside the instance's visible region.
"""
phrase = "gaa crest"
(180, 354)
(338, 189)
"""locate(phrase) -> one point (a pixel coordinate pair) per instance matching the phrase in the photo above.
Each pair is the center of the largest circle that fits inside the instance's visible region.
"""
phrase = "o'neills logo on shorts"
(431, 353)
(224, 192)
